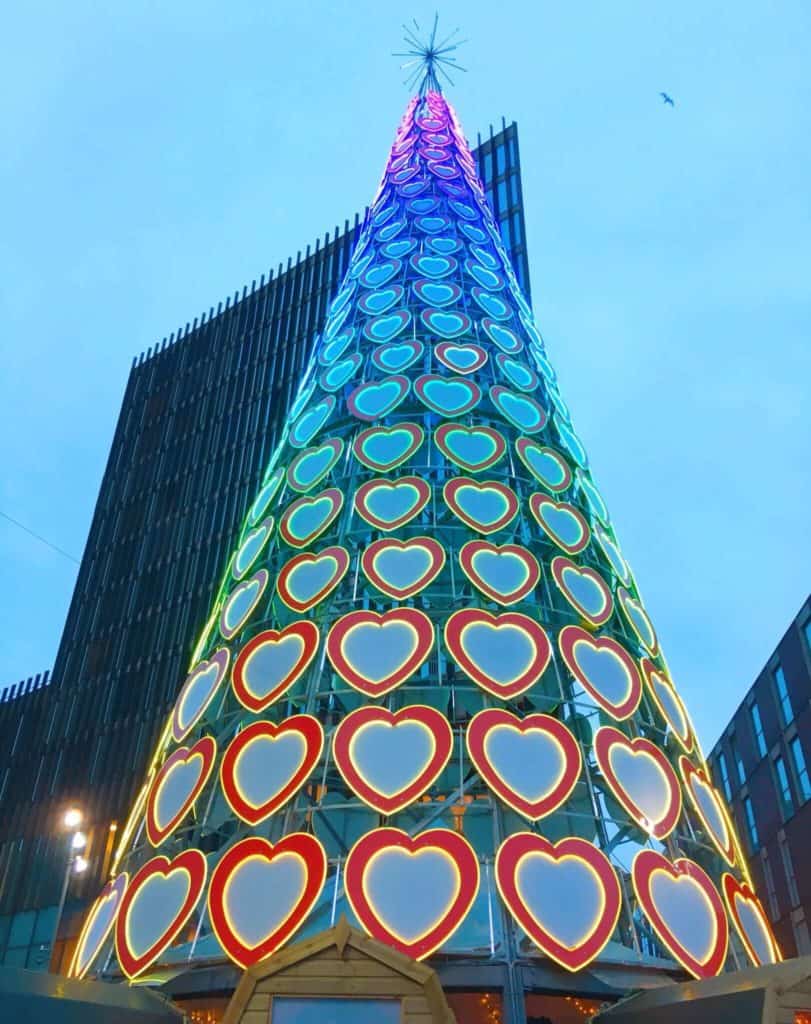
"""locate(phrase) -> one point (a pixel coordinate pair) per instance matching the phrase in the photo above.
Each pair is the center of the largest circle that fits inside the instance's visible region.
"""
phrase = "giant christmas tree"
(429, 695)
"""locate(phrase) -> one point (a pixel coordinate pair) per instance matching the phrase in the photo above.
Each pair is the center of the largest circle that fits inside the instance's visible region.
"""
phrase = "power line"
(54, 547)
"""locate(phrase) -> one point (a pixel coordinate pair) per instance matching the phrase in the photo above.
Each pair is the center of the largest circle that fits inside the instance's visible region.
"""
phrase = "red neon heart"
(97, 925)
(276, 791)
(300, 852)
(433, 550)
(451, 494)
(720, 829)
(331, 498)
(346, 748)
(611, 744)
(708, 910)
(192, 863)
(542, 906)
(762, 945)
(573, 639)
(563, 569)
(472, 552)
(413, 631)
(559, 743)
(338, 557)
(669, 704)
(444, 353)
(195, 763)
(410, 494)
(299, 638)
(529, 671)
(436, 846)
(541, 504)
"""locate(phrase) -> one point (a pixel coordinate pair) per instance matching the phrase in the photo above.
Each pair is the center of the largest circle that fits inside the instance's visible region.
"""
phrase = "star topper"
(429, 58)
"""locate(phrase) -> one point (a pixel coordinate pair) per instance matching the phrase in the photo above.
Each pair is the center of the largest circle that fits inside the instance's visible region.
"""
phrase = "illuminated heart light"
(177, 785)
(436, 293)
(157, 903)
(388, 504)
(197, 693)
(584, 589)
(505, 654)
(447, 396)
(709, 807)
(396, 357)
(669, 704)
(444, 245)
(750, 921)
(593, 497)
(518, 374)
(241, 603)
(385, 328)
(522, 411)
(570, 441)
(251, 547)
(307, 518)
(547, 466)
(381, 273)
(260, 893)
(474, 233)
(266, 764)
(97, 925)
(532, 764)
(493, 305)
(561, 522)
(446, 323)
(486, 277)
(336, 347)
(460, 358)
(485, 257)
(487, 507)
(641, 778)
(269, 664)
(335, 376)
(506, 573)
(373, 400)
(685, 910)
(612, 553)
(564, 895)
(307, 578)
(411, 892)
(375, 303)
(436, 266)
(604, 669)
(264, 497)
(402, 568)
(638, 620)
(310, 422)
(506, 338)
(386, 448)
(471, 448)
(374, 653)
(389, 759)
(311, 466)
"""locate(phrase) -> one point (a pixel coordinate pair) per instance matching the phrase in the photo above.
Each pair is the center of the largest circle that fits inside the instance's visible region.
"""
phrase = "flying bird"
(667, 99)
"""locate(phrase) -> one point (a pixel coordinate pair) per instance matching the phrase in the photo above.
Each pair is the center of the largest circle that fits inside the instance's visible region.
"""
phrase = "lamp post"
(76, 863)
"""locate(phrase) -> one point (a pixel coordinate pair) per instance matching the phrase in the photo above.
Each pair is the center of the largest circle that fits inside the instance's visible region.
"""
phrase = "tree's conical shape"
(429, 694)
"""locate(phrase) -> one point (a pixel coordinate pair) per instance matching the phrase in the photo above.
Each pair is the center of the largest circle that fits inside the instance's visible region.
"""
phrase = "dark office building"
(200, 416)
(761, 762)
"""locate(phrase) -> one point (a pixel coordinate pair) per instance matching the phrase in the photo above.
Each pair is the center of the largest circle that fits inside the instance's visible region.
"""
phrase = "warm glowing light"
(79, 865)
(73, 818)
(79, 841)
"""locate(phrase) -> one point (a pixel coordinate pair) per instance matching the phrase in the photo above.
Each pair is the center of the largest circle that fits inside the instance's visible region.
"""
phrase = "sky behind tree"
(159, 156)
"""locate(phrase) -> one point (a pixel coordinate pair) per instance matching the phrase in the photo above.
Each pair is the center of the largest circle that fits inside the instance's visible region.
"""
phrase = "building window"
(757, 725)
(800, 768)
(736, 757)
(783, 787)
(783, 698)
(771, 892)
(788, 867)
(750, 822)
(722, 770)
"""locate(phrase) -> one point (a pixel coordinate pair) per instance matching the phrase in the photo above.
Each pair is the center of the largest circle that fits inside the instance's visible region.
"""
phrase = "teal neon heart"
(241, 602)
(493, 305)
(612, 553)
(413, 188)
(586, 591)
(502, 572)
(543, 364)
(518, 374)
(397, 357)
(381, 273)
(375, 303)
(523, 412)
(462, 358)
(339, 373)
(425, 205)
(485, 257)
(545, 464)
(371, 401)
(449, 397)
(561, 523)
(250, 548)
(385, 448)
(302, 398)
(445, 246)
(484, 507)
(342, 299)
(432, 225)
(436, 293)
(484, 277)
(390, 230)
(593, 497)
(335, 349)
(475, 234)
(434, 266)
(472, 448)
(309, 519)
(464, 210)
(312, 466)
(384, 216)
(265, 496)
(310, 422)
(506, 339)
(444, 323)
(401, 247)
(572, 443)
(385, 328)
(360, 263)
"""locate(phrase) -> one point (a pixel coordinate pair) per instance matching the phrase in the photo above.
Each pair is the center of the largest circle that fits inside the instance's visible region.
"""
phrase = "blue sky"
(158, 156)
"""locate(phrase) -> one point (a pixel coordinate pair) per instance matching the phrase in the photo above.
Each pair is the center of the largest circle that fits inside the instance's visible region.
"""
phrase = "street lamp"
(72, 819)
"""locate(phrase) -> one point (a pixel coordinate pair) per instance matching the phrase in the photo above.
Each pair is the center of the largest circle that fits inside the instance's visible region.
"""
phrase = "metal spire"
(429, 58)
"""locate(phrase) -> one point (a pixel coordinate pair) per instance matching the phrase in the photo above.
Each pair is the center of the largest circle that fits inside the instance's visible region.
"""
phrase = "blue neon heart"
(433, 266)
(593, 497)
(394, 358)
(413, 188)
(494, 306)
(335, 349)
(519, 374)
(384, 215)
(360, 263)
(402, 247)
(384, 328)
(473, 233)
(445, 324)
(388, 231)
(485, 257)
(572, 443)
(506, 339)
(422, 206)
(545, 466)
(444, 245)
(435, 293)
(370, 401)
(543, 364)
(460, 357)
(341, 299)
(310, 422)
(375, 303)
(432, 225)
(464, 210)
(311, 466)
(449, 397)
(486, 278)
(469, 447)
(380, 273)
(443, 171)
(522, 412)
(339, 373)
(387, 449)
